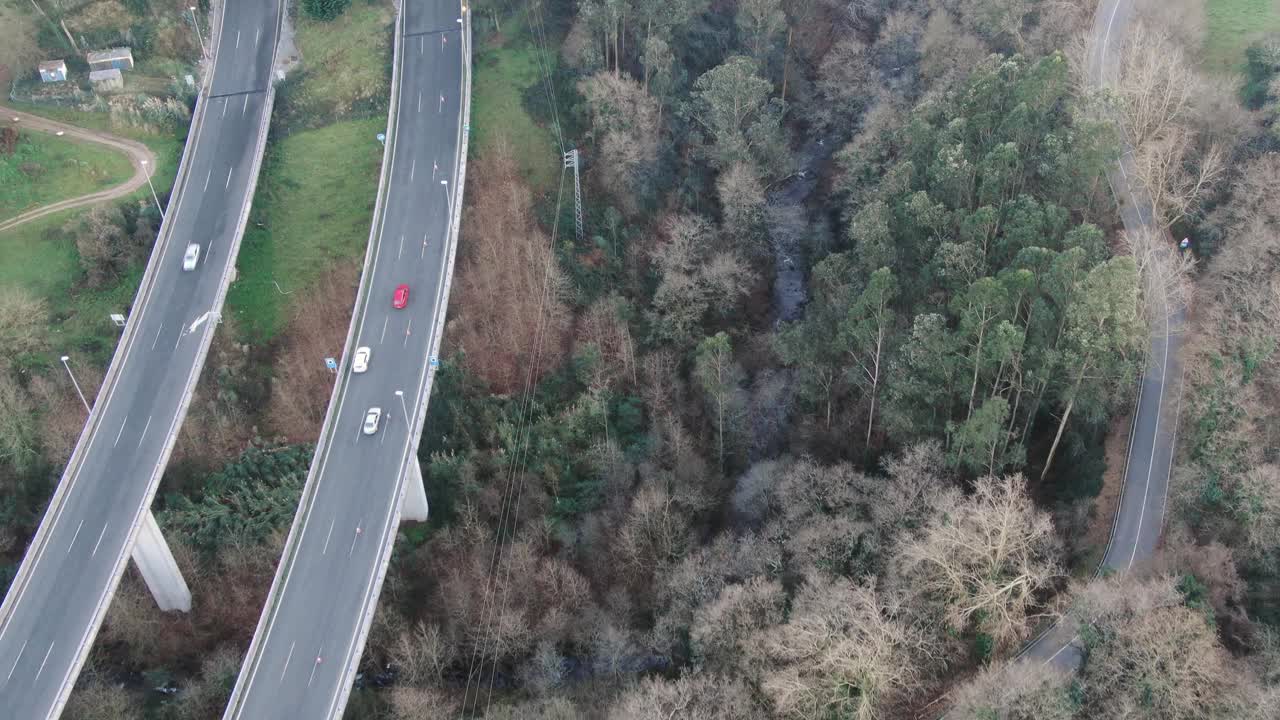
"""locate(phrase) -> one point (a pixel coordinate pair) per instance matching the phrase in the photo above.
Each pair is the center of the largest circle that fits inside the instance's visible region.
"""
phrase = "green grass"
(313, 207)
(345, 70)
(45, 168)
(1233, 25)
(502, 71)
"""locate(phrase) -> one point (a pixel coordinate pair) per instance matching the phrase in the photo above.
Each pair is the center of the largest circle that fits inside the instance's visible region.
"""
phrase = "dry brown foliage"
(1154, 657)
(624, 124)
(24, 323)
(97, 699)
(62, 415)
(509, 317)
(302, 385)
(1029, 690)
(699, 696)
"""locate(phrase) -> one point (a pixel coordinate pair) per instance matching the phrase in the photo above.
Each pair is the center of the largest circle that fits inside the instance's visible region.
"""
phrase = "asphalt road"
(1139, 518)
(136, 151)
(303, 659)
(62, 591)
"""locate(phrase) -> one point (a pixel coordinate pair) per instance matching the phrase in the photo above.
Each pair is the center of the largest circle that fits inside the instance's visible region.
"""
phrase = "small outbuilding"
(109, 79)
(120, 58)
(53, 71)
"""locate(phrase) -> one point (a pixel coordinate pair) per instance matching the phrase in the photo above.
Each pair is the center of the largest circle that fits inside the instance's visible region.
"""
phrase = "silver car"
(191, 257)
(371, 419)
(360, 363)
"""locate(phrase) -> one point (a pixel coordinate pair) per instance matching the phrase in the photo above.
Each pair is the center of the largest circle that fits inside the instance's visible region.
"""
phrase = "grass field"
(313, 207)
(502, 71)
(1233, 25)
(45, 168)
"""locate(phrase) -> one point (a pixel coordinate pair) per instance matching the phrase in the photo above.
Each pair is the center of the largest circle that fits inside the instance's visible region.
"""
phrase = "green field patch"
(45, 168)
(1233, 25)
(345, 68)
(502, 72)
(313, 207)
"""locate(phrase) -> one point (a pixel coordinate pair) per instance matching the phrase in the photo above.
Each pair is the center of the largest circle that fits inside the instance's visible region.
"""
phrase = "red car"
(401, 298)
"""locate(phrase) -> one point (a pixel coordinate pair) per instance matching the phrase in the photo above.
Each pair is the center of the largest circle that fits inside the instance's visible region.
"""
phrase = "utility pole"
(571, 161)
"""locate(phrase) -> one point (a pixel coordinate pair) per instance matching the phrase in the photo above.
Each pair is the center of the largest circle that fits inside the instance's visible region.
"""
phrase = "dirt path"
(136, 151)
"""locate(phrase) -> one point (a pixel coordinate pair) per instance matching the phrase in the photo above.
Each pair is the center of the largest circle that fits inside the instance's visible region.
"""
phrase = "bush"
(325, 9)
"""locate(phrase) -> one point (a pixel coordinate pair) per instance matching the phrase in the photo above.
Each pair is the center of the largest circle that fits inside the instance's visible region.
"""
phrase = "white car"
(360, 362)
(371, 419)
(191, 257)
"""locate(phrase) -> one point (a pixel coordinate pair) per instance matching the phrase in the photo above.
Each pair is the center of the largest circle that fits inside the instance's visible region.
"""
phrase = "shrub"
(325, 9)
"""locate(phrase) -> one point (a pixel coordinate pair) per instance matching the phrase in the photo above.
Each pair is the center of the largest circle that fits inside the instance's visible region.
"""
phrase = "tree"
(867, 329)
(984, 561)
(695, 696)
(720, 377)
(101, 242)
(1024, 690)
(742, 206)
(624, 123)
(698, 276)
(978, 441)
(759, 23)
(18, 441)
(1148, 655)
(1103, 342)
(843, 652)
(24, 322)
(325, 9)
(731, 102)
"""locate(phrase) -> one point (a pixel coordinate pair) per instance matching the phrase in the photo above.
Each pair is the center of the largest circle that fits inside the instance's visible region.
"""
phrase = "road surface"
(136, 151)
(1139, 518)
(56, 603)
(309, 640)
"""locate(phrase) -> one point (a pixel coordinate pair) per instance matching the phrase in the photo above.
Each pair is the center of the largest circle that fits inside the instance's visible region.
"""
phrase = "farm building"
(120, 58)
(53, 71)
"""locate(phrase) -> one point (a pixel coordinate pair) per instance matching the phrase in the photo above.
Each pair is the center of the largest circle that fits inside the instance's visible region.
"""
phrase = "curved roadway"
(1139, 518)
(304, 654)
(137, 152)
(64, 585)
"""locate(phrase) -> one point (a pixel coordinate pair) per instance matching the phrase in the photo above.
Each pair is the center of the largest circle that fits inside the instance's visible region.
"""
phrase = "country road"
(137, 152)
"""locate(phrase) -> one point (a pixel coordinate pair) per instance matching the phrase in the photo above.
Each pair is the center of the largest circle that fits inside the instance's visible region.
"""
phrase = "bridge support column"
(415, 494)
(160, 571)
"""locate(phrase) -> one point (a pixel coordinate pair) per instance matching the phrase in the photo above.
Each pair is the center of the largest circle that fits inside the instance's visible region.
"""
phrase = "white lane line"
(443, 39)
(237, 38)
(225, 103)
(144, 431)
(419, 101)
(95, 545)
(354, 538)
(117, 442)
(206, 179)
(435, 166)
(442, 102)
(413, 169)
(1106, 40)
(245, 109)
(179, 340)
(45, 661)
(319, 659)
(401, 250)
(1064, 647)
(16, 660)
(422, 44)
(408, 328)
(256, 34)
(73, 537)
(286, 661)
(227, 184)
(328, 535)
(424, 247)
(384, 330)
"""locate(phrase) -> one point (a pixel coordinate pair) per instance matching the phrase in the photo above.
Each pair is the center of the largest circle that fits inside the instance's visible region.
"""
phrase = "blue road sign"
(331, 363)
(435, 361)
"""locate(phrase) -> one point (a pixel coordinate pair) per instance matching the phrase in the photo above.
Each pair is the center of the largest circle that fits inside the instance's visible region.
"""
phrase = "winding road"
(143, 160)
(1139, 519)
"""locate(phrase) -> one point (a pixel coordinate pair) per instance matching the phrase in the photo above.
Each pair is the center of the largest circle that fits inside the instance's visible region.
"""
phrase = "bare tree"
(1166, 273)
(985, 560)
(24, 322)
(624, 120)
(1176, 173)
(1151, 656)
(1028, 690)
(698, 696)
(843, 652)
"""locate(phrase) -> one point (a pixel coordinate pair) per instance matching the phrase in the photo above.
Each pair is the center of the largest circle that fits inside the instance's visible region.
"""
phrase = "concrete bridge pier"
(160, 571)
(415, 494)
